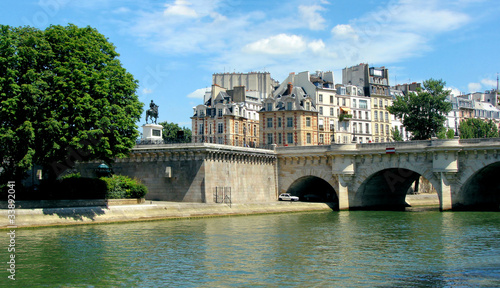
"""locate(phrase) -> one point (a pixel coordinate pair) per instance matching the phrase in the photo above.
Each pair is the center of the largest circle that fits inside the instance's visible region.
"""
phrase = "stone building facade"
(289, 119)
(228, 117)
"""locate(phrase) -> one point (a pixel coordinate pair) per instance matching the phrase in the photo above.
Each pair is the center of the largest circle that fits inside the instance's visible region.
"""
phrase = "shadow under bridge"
(313, 189)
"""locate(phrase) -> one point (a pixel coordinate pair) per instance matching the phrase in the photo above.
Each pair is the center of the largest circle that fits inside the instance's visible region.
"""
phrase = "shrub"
(119, 186)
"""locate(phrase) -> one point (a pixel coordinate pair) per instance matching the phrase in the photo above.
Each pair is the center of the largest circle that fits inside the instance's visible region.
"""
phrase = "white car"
(287, 196)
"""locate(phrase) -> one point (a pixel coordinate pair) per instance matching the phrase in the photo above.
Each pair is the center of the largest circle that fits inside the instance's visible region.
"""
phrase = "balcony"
(345, 117)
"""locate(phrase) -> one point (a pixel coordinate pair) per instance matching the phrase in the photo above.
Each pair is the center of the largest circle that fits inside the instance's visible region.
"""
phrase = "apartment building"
(228, 117)
(375, 81)
(320, 87)
(289, 119)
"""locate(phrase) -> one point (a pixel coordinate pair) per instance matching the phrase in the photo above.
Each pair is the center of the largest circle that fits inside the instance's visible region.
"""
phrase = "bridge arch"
(312, 188)
(297, 182)
(481, 189)
(385, 185)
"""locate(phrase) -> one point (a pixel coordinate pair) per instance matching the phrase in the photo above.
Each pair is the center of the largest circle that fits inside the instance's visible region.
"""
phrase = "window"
(367, 128)
(308, 137)
(376, 128)
(236, 130)
(320, 110)
(321, 138)
(386, 117)
(331, 99)
(279, 122)
(269, 107)
(385, 103)
(279, 138)
(380, 103)
(331, 111)
(381, 116)
(360, 128)
(210, 129)
(219, 140)
(308, 121)
(386, 129)
(366, 116)
(338, 101)
(200, 129)
(363, 104)
(353, 103)
(269, 122)
(320, 98)
(289, 106)
(269, 138)
(308, 106)
(254, 130)
(219, 112)
(343, 101)
(376, 115)
(289, 122)
(220, 128)
(289, 138)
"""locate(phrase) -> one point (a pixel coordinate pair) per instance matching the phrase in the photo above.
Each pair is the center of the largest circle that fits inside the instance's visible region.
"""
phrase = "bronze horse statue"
(152, 112)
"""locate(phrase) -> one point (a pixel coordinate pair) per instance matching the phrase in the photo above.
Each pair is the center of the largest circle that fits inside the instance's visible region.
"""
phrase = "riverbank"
(156, 210)
(151, 210)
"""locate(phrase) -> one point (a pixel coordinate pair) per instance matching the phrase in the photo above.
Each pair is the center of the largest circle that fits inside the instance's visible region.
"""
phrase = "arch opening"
(389, 189)
(481, 191)
(313, 189)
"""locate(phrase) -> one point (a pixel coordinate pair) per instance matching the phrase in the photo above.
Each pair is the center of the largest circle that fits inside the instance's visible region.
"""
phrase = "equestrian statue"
(152, 112)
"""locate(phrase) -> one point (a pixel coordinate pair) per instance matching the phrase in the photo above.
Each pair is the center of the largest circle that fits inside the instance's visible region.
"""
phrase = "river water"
(318, 249)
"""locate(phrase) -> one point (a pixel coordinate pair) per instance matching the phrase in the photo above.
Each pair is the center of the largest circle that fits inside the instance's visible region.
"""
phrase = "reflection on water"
(356, 249)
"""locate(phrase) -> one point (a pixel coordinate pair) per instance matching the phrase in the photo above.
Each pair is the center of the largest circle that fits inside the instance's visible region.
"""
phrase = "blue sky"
(174, 46)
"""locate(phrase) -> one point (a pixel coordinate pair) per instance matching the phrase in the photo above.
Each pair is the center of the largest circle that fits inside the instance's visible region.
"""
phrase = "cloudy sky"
(174, 46)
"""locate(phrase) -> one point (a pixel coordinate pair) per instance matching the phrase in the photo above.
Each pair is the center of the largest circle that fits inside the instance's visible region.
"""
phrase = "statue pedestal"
(152, 132)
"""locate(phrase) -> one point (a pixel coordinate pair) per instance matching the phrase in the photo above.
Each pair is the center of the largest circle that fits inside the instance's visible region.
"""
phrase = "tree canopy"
(423, 113)
(477, 128)
(173, 133)
(64, 97)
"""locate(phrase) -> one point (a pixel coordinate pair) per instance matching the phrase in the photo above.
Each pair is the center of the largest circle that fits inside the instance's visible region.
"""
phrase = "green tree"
(64, 97)
(396, 134)
(173, 133)
(477, 128)
(423, 113)
(450, 134)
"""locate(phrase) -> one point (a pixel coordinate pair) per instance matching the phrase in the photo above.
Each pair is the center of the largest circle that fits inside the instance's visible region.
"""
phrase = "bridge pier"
(343, 190)
(445, 191)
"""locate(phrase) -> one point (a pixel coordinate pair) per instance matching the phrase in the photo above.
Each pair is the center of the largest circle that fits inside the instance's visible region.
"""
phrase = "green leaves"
(423, 113)
(477, 128)
(67, 83)
(171, 131)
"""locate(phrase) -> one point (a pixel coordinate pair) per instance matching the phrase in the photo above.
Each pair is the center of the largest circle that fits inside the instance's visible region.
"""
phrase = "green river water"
(319, 249)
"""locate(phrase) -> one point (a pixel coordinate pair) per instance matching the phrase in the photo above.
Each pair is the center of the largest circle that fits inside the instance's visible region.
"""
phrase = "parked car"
(287, 196)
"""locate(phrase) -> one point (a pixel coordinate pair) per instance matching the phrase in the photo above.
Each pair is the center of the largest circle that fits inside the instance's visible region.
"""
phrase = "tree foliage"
(477, 128)
(423, 113)
(396, 134)
(173, 133)
(64, 97)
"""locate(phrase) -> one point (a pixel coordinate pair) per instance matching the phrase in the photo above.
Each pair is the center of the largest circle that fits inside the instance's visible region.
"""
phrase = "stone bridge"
(351, 176)
(365, 176)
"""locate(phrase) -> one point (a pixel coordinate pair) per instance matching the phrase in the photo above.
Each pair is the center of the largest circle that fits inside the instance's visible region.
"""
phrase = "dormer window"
(289, 106)
(269, 107)
(308, 105)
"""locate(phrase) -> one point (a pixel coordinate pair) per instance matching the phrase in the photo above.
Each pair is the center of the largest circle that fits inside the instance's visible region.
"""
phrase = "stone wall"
(193, 172)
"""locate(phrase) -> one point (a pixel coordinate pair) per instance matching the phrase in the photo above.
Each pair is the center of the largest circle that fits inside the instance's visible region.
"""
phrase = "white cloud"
(344, 31)
(310, 15)
(454, 91)
(198, 93)
(489, 83)
(147, 91)
(317, 46)
(180, 8)
(281, 44)
(474, 87)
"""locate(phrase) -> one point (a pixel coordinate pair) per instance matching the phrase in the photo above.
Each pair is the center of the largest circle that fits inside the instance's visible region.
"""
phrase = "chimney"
(289, 88)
